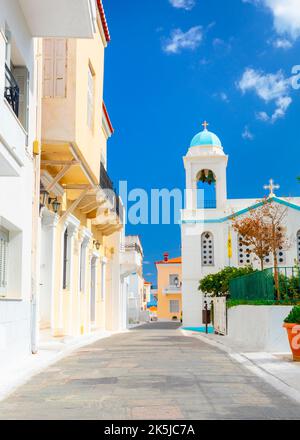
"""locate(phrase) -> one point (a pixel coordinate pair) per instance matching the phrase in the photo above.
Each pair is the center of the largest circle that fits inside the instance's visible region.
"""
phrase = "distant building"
(169, 288)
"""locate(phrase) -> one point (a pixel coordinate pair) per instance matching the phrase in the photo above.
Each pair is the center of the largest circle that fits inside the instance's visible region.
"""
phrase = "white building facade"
(207, 218)
(132, 272)
(22, 23)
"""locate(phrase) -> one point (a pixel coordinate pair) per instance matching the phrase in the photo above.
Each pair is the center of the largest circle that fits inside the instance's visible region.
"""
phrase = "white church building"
(206, 222)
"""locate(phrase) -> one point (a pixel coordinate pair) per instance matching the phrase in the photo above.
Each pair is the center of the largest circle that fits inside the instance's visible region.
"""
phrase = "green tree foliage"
(218, 284)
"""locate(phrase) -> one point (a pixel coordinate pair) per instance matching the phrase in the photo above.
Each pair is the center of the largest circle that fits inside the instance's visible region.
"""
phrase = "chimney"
(166, 257)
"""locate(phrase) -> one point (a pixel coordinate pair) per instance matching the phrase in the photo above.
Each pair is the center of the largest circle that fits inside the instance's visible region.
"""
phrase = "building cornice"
(241, 212)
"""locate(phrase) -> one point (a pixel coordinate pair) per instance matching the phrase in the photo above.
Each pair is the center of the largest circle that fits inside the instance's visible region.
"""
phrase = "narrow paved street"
(152, 372)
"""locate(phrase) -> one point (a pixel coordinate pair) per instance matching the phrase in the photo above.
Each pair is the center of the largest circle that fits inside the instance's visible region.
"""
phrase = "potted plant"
(292, 325)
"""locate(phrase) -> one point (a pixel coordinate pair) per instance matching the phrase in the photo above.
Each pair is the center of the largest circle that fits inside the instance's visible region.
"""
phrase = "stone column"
(47, 271)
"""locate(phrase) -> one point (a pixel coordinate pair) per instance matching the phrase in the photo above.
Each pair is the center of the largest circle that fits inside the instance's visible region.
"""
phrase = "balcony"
(60, 18)
(131, 256)
(11, 91)
(172, 290)
(110, 193)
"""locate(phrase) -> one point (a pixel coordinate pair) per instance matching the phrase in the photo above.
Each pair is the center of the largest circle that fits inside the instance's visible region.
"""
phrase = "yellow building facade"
(169, 276)
(81, 215)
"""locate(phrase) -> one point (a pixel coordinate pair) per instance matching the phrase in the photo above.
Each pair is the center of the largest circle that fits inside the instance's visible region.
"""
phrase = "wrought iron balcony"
(107, 185)
(132, 247)
(11, 91)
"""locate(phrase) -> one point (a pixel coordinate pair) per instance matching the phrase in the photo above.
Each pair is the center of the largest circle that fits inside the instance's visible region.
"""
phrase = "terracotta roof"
(107, 118)
(147, 283)
(177, 260)
(103, 20)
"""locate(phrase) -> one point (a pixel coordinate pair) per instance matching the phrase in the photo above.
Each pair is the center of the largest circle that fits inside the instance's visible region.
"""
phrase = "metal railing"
(273, 284)
(107, 185)
(207, 204)
(132, 247)
(172, 289)
(11, 91)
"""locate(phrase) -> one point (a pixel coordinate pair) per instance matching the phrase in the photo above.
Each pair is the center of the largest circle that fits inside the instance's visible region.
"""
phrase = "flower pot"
(293, 331)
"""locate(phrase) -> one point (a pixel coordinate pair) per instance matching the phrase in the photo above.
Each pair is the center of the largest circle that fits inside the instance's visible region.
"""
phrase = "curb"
(242, 359)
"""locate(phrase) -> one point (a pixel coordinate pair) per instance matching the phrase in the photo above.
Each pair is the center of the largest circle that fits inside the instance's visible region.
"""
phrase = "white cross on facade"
(271, 187)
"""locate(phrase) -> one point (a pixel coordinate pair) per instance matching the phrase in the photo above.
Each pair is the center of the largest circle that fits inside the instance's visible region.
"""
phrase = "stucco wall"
(163, 273)
(259, 328)
(14, 331)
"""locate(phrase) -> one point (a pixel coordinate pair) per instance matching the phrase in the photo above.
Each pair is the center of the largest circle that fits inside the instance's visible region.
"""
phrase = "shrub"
(294, 316)
(218, 284)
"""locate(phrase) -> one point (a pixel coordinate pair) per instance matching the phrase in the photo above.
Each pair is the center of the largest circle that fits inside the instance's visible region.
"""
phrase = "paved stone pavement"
(152, 372)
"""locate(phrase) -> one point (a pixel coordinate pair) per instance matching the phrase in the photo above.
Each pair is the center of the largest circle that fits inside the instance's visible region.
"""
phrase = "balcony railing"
(207, 204)
(132, 247)
(107, 185)
(171, 290)
(11, 91)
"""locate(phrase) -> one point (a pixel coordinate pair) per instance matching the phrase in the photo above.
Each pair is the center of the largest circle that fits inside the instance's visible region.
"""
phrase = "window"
(207, 249)
(16, 90)
(82, 266)
(54, 67)
(90, 98)
(65, 259)
(281, 256)
(174, 280)
(174, 306)
(244, 252)
(4, 238)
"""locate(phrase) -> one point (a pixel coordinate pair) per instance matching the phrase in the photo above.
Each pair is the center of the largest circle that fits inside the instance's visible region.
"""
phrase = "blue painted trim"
(241, 212)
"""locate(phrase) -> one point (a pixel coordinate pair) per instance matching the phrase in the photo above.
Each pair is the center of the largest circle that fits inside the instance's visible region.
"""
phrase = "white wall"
(16, 191)
(259, 328)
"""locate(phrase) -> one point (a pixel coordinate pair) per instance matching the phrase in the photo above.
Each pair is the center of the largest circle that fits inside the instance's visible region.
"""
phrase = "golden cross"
(205, 125)
(271, 187)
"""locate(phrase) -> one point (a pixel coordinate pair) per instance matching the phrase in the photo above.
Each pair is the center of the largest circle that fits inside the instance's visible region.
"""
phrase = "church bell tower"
(205, 166)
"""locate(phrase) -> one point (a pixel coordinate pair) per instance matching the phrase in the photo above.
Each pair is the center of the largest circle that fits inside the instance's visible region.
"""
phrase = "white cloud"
(247, 134)
(270, 88)
(286, 15)
(282, 43)
(180, 40)
(183, 4)
(222, 96)
(267, 86)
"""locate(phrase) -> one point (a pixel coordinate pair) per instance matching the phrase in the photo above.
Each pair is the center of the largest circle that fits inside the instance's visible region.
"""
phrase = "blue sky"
(170, 65)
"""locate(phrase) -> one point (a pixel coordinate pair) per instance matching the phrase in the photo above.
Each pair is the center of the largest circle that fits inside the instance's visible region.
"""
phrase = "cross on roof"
(205, 125)
(271, 187)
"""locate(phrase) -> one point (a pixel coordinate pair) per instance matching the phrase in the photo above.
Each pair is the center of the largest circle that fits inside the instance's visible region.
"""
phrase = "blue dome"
(206, 137)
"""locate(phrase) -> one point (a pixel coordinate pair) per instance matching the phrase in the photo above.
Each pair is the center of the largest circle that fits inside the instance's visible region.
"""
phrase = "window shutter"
(3, 261)
(48, 68)
(60, 70)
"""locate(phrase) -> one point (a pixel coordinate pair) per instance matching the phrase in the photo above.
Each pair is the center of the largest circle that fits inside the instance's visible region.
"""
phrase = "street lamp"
(97, 244)
(44, 195)
(55, 204)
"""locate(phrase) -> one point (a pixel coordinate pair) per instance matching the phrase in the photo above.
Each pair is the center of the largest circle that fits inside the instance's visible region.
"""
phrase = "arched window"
(206, 190)
(244, 252)
(281, 257)
(207, 249)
